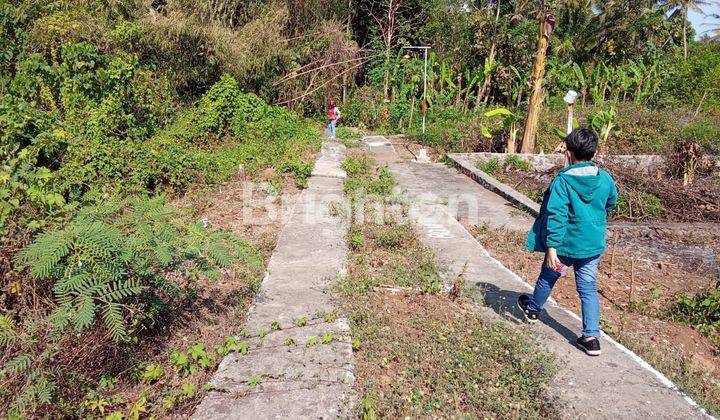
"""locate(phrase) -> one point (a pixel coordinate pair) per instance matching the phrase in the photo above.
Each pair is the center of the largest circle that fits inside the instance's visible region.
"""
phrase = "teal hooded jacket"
(573, 214)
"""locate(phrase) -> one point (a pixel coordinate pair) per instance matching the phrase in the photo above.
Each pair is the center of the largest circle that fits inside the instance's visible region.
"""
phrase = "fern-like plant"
(111, 259)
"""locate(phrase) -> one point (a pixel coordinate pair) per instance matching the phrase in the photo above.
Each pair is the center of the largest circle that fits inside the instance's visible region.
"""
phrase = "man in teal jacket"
(570, 230)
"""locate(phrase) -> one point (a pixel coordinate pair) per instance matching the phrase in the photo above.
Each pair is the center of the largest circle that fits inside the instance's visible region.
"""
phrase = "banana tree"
(603, 123)
(599, 82)
(510, 126)
(518, 85)
(580, 76)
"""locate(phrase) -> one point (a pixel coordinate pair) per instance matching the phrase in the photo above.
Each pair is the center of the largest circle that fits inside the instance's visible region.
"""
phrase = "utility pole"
(424, 97)
(546, 24)
(424, 48)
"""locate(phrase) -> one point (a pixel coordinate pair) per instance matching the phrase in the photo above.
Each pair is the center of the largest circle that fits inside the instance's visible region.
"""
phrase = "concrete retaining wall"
(648, 163)
(467, 166)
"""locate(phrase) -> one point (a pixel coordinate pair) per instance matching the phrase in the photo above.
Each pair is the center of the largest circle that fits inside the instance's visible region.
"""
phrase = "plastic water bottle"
(561, 268)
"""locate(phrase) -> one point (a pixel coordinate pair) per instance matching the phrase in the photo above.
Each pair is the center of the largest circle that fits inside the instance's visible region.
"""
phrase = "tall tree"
(484, 91)
(546, 23)
(386, 17)
(684, 6)
(715, 26)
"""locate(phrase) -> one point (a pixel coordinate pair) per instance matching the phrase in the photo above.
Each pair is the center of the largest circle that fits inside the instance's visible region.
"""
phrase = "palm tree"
(623, 22)
(715, 26)
(685, 6)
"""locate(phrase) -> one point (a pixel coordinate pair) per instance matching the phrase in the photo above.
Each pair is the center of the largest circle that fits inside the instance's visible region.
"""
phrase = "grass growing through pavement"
(420, 353)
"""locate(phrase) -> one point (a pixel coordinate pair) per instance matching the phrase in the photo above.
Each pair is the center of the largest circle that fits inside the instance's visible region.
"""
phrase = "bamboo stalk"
(632, 281)
(293, 75)
(697, 111)
(319, 87)
(612, 255)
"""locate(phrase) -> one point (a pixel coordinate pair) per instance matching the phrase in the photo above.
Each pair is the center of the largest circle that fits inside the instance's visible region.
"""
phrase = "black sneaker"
(530, 316)
(591, 345)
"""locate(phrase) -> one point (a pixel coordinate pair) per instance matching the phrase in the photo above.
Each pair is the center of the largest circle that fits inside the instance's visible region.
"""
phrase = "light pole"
(423, 153)
(570, 100)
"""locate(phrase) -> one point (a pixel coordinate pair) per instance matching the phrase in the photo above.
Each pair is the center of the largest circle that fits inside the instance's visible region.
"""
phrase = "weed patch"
(364, 175)
(701, 311)
(419, 352)
(701, 384)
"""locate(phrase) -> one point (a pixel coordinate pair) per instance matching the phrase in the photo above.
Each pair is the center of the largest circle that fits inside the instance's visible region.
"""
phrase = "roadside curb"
(516, 198)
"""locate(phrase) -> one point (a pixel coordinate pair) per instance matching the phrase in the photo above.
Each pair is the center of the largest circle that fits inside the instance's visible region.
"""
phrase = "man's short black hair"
(583, 143)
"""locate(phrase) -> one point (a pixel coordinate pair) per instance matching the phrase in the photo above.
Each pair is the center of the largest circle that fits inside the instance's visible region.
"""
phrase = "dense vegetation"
(100, 120)
(107, 109)
(625, 58)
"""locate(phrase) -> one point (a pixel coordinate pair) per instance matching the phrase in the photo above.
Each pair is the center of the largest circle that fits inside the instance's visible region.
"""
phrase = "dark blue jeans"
(585, 280)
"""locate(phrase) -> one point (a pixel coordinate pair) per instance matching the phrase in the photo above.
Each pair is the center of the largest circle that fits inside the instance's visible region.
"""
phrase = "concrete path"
(436, 183)
(617, 384)
(295, 381)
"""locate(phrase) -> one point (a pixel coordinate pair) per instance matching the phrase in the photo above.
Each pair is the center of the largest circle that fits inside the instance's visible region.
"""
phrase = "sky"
(698, 19)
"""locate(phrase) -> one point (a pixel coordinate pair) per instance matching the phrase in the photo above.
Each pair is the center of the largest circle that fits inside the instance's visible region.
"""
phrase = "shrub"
(695, 79)
(638, 206)
(491, 167)
(114, 269)
(701, 311)
(645, 131)
(364, 107)
(355, 236)
(109, 135)
(347, 133)
(453, 130)
(357, 165)
(112, 261)
(516, 163)
(251, 133)
(705, 132)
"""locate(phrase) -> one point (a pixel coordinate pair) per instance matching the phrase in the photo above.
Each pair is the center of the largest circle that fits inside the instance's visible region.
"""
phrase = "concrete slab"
(437, 183)
(505, 191)
(296, 381)
(617, 384)
(328, 164)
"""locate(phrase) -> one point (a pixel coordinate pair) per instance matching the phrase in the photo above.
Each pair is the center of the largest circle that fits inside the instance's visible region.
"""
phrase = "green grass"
(515, 162)
(638, 206)
(364, 176)
(418, 352)
(348, 133)
(701, 312)
(493, 167)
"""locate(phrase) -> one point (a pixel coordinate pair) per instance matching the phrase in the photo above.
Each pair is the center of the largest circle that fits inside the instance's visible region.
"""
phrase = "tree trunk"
(344, 88)
(458, 94)
(685, 43)
(390, 29)
(512, 136)
(536, 97)
(348, 27)
(484, 93)
(412, 111)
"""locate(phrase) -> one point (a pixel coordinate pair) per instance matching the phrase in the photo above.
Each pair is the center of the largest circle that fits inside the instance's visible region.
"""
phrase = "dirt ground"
(644, 197)
(638, 281)
(221, 305)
